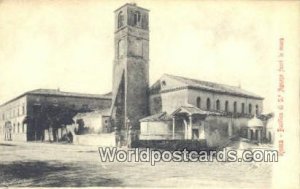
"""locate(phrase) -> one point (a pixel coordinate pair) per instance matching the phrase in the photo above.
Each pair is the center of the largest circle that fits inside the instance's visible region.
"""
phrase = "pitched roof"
(55, 92)
(206, 85)
(163, 116)
(194, 110)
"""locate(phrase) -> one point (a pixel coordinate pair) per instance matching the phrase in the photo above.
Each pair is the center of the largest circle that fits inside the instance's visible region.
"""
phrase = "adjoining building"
(14, 114)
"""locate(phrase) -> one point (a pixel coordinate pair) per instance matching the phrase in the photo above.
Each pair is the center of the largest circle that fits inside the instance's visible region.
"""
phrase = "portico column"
(173, 128)
(185, 129)
(249, 133)
(190, 128)
(230, 128)
(259, 136)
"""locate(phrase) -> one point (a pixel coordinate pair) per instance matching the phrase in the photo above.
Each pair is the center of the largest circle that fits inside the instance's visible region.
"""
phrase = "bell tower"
(131, 69)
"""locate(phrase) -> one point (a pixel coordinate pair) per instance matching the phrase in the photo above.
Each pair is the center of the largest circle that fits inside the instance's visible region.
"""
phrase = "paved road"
(40, 164)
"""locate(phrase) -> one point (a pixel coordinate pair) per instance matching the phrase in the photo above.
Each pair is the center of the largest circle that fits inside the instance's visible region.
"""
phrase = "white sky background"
(69, 44)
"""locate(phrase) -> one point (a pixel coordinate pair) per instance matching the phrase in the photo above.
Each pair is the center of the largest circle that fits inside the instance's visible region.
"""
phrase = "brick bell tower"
(130, 71)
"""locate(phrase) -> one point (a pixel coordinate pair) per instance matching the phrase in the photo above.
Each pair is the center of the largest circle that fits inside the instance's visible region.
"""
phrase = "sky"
(69, 44)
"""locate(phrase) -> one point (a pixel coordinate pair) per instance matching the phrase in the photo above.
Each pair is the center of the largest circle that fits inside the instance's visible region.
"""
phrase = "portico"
(188, 123)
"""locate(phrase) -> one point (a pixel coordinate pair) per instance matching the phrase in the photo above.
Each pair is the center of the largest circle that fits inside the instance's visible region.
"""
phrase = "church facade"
(174, 107)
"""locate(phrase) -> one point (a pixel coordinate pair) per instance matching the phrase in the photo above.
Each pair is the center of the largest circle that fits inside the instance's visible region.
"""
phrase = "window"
(120, 20)
(256, 109)
(18, 128)
(137, 18)
(14, 128)
(226, 106)
(208, 104)
(23, 128)
(250, 109)
(218, 104)
(163, 83)
(243, 108)
(198, 102)
(234, 107)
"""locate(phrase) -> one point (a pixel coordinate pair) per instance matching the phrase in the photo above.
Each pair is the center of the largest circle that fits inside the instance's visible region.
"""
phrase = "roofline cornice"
(203, 89)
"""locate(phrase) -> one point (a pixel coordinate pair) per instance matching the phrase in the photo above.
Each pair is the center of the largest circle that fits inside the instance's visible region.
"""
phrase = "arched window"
(256, 109)
(250, 109)
(18, 128)
(226, 106)
(137, 18)
(23, 128)
(120, 19)
(234, 107)
(198, 102)
(208, 104)
(243, 108)
(218, 104)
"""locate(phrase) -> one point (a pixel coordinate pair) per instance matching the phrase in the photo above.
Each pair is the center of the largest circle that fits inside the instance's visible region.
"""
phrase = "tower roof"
(131, 5)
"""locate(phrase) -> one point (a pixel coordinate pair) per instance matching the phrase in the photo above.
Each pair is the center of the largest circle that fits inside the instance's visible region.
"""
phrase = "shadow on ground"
(2, 144)
(54, 174)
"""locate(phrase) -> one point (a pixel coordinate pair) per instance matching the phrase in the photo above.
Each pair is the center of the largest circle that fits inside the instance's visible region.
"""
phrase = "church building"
(174, 107)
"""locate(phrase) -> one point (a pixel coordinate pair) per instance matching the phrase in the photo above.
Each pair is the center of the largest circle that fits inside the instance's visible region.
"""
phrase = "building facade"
(15, 113)
(189, 109)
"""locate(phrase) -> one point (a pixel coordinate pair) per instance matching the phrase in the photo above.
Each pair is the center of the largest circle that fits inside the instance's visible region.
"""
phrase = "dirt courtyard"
(65, 165)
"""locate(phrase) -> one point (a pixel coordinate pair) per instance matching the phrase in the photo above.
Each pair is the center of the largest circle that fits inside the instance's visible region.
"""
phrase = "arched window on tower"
(120, 19)
(208, 104)
(198, 102)
(137, 19)
(218, 104)
(250, 109)
(234, 107)
(256, 109)
(226, 106)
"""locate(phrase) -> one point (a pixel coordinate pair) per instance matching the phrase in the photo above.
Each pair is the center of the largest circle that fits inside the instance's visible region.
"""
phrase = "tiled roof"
(211, 86)
(157, 117)
(53, 92)
(194, 110)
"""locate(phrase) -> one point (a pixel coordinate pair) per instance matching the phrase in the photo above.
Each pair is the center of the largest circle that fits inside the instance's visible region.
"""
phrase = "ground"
(45, 165)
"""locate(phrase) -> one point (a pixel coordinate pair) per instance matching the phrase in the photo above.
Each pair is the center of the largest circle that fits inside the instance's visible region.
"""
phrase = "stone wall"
(156, 130)
(217, 129)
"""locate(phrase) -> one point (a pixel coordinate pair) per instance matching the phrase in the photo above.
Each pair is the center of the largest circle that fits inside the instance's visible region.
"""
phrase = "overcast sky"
(69, 44)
